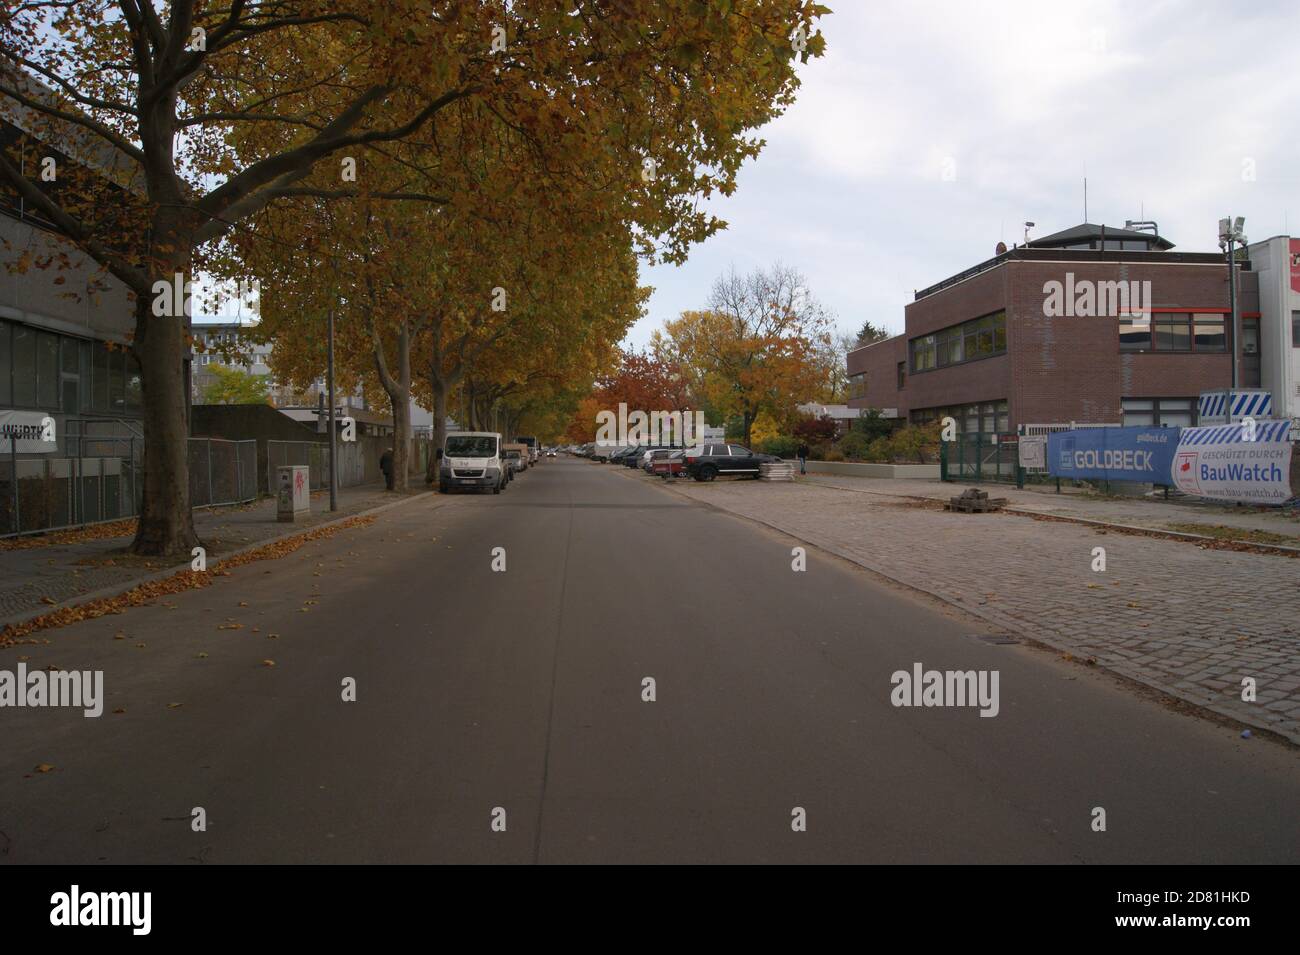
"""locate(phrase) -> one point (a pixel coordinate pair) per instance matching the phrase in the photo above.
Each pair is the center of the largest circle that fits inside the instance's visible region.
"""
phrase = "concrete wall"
(1280, 360)
(923, 472)
(358, 464)
(32, 297)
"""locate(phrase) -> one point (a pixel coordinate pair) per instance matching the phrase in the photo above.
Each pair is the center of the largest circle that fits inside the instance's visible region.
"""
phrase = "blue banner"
(1145, 455)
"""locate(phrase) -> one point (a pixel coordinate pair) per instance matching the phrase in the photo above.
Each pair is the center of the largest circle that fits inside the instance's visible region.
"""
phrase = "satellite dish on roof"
(1001, 248)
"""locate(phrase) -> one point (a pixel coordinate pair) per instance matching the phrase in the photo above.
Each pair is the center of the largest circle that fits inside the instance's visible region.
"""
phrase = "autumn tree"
(643, 380)
(756, 347)
(222, 110)
(234, 386)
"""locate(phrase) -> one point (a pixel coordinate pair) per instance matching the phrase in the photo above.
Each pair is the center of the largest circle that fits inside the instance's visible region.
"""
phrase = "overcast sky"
(1182, 112)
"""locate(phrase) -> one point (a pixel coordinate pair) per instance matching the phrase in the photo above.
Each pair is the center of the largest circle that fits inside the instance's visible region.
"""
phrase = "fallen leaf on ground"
(43, 767)
(180, 581)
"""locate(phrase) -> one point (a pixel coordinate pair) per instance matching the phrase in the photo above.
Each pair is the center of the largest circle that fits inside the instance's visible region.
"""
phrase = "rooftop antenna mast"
(1085, 198)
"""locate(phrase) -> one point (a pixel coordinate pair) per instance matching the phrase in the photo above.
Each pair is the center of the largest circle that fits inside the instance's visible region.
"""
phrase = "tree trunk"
(749, 423)
(401, 442)
(439, 426)
(166, 527)
(402, 422)
(399, 396)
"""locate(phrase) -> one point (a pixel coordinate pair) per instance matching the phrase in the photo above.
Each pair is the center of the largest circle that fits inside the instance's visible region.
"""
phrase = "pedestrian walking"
(802, 452)
(386, 465)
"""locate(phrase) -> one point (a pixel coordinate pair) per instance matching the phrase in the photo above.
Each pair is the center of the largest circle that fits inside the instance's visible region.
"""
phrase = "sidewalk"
(36, 575)
(1189, 621)
(1151, 513)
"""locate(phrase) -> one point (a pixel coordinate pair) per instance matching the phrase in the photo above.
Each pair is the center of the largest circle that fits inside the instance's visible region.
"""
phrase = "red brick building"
(1093, 324)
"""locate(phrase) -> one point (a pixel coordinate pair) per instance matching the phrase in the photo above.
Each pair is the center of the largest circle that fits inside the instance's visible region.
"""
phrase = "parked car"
(649, 459)
(673, 466)
(520, 456)
(471, 459)
(642, 459)
(515, 461)
(714, 460)
(617, 456)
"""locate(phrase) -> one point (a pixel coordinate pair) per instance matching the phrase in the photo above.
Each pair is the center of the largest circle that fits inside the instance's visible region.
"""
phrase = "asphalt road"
(522, 689)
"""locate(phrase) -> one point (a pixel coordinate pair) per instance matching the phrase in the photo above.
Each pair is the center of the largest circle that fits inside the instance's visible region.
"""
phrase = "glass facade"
(1198, 332)
(1162, 412)
(978, 338)
(985, 417)
(47, 371)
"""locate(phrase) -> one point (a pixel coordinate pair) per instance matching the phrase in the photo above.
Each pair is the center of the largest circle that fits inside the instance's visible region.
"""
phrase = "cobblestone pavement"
(35, 578)
(1186, 620)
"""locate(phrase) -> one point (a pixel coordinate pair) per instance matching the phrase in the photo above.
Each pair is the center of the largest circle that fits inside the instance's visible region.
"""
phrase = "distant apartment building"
(1093, 324)
(225, 344)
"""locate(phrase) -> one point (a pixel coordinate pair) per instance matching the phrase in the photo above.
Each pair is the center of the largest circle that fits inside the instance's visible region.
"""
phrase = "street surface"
(522, 689)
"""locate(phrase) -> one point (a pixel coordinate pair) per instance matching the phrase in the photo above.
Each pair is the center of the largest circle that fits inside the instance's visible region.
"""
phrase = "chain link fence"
(315, 455)
(222, 472)
(97, 475)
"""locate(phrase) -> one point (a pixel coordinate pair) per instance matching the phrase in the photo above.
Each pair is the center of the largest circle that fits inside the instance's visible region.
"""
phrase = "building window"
(24, 359)
(858, 385)
(923, 352)
(1159, 412)
(978, 338)
(47, 370)
(902, 374)
(1199, 332)
(1208, 332)
(70, 363)
(1135, 333)
(134, 385)
(100, 356)
(1173, 332)
(1295, 329)
(117, 380)
(84, 351)
(6, 372)
(984, 417)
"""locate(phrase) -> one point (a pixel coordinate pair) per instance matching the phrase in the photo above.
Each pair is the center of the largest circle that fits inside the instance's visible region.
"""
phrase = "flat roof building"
(1092, 324)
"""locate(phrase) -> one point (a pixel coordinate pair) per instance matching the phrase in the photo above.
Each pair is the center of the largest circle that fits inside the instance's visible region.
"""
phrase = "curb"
(116, 590)
(1205, 710)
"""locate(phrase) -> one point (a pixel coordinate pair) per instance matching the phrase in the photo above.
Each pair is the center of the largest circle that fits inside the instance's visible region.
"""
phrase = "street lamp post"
(1231, 234)
(334, 502)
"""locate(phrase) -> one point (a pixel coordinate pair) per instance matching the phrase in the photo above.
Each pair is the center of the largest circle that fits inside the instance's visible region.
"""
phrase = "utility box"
(293, 492)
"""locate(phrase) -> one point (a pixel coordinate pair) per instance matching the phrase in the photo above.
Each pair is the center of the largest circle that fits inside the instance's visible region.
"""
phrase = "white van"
(471, 459)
